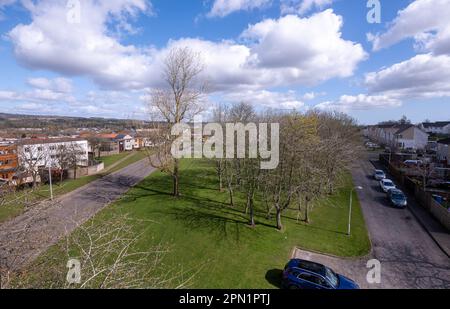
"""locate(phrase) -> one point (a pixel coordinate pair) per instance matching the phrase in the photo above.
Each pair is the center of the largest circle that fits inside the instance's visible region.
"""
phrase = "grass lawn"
(205, 234)
(12, 209)
(110, 160)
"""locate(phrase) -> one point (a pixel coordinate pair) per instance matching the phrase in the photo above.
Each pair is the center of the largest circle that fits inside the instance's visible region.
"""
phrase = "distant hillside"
(12, 121)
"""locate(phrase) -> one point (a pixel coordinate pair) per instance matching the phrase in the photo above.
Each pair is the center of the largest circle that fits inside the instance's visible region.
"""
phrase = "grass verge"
(213, 240)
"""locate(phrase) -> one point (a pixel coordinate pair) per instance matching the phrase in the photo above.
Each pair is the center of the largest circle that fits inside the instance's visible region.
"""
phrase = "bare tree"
(110, 256)
(178, 102)
(96, 145)
(31, 159)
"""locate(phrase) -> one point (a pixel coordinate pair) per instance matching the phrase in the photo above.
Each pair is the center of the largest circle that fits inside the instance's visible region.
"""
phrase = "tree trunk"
(306, 210)
(252, 215)
(230, 190)
(219, 173)
(279, 224)
(61, 176)
(176, 189)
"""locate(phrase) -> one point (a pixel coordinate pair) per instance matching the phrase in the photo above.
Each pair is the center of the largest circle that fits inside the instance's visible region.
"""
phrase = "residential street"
(23, 238)
(409, 257)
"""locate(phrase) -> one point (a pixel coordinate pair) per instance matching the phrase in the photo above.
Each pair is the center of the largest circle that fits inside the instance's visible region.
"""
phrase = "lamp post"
(350, 209)
(50, 181)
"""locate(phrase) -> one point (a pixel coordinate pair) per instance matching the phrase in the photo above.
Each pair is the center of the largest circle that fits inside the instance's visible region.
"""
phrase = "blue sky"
(279, 54)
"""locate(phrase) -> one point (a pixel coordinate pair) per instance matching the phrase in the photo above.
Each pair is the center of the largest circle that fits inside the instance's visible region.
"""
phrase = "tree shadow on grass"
(274, 277)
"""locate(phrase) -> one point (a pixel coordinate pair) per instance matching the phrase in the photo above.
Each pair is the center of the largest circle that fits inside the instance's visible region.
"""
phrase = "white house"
(126, 142)
(440, 127)
(45, 152)
(399, 136)
(443, 150)
(410, 136)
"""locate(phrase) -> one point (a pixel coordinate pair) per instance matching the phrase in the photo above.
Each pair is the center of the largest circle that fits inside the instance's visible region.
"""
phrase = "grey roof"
(436, 124)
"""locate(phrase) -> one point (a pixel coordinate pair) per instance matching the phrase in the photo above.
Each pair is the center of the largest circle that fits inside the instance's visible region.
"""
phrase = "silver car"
(386, 185)
(379, 175)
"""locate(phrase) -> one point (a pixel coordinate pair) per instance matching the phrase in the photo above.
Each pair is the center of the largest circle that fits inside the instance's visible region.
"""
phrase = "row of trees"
(315, 149)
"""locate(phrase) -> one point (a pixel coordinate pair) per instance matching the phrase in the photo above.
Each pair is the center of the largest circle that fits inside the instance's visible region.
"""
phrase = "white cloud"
(266, 99)
(268, 54)
(302, 7)
(423, 76)
(222, 8)
(360, 102)
(85, 48)
(426, 21)
(59, 84)
(313, 53)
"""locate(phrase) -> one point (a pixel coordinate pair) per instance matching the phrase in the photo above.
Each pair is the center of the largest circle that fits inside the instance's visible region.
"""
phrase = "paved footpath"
(24, 238)
(409, 257)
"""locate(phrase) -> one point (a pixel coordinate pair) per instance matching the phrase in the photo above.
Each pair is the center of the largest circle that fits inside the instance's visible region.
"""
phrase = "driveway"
(409, 257)
(25, 237)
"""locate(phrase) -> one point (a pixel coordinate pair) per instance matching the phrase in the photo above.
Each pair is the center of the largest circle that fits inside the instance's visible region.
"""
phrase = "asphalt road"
(409, 256)
(23, 238)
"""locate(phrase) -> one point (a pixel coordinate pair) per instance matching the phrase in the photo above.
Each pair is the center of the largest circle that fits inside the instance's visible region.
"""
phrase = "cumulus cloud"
(425, 21)
(58, 84)
(269, 53)
(266, 99)
(314, 52)
(222, 8)
(302, 7)
(51, 42)
(360, 102)
(421, 76)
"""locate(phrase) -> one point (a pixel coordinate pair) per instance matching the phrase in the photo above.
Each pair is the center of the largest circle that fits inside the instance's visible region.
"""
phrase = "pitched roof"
(402, 128)
(49, 141)
(439, 124)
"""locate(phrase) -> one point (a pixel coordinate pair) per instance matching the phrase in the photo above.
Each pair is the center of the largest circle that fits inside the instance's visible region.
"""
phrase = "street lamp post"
(50, 181)
(350, 210)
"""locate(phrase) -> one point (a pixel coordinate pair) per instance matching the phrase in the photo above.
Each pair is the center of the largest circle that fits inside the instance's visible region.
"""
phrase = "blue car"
(301, 274)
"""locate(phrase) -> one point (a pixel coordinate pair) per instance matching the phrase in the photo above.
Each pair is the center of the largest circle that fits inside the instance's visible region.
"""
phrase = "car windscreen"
(331, 276)
(388, 184)
(398, 196)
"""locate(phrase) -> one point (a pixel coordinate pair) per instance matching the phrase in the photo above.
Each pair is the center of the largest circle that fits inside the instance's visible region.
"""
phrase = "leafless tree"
(181, 100)
(111, 255)
(31, 159)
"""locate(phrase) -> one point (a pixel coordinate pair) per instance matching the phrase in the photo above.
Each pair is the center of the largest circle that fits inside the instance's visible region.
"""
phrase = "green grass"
(204, 233)
(110, 160)
(12, 209)
(137, 156)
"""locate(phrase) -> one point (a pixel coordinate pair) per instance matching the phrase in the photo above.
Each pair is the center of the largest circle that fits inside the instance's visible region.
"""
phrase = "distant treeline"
(11, 121)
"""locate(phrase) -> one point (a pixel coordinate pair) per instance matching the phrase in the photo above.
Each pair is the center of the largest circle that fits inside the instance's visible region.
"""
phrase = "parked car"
(301, 274)
(386, 185)
(397, 198)
(379, 175)
(413, 162)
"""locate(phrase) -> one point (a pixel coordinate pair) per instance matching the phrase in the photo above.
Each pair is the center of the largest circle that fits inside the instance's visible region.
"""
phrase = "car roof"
(309, 266)
(379, 171)
(387, 180)
(396, 191)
